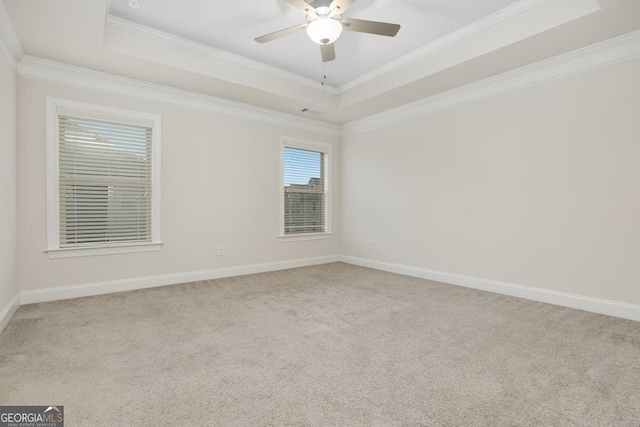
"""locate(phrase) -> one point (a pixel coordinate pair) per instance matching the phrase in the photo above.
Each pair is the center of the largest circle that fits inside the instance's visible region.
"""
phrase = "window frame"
(304, 144)
(100, 112)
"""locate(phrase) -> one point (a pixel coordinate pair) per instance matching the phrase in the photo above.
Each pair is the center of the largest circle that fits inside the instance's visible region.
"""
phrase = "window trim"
(52, 151)
(305, 144)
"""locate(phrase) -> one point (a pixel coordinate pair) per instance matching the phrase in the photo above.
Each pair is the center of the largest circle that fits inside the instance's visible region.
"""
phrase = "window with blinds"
(104, 182)
(305, 189)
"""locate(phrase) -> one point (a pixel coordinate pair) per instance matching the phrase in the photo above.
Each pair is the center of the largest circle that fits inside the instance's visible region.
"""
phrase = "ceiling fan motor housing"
(322, 7)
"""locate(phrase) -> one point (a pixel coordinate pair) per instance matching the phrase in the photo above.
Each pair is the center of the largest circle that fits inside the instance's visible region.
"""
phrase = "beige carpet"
(327, 345)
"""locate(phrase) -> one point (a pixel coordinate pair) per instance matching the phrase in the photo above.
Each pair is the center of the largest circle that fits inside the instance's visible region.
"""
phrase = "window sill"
(102, 250)
(302, 237)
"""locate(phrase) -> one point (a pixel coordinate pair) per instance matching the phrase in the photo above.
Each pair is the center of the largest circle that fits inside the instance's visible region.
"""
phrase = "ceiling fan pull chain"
(324, 73)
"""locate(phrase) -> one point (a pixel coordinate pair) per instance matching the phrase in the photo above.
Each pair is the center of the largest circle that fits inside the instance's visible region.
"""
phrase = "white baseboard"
(595, 305)
(67, 292)
(7, 313)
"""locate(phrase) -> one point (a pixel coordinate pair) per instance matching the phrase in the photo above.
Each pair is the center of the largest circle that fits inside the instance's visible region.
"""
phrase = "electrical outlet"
(220, 250)
(370, 244)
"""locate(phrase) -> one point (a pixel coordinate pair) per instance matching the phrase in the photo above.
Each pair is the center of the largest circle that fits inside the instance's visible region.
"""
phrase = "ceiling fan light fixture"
(324, 30)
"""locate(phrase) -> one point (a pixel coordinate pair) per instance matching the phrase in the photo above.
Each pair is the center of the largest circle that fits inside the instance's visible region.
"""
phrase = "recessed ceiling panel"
(233, 25)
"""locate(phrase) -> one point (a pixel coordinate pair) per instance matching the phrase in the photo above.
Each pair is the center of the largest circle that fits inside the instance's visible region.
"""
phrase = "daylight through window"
(305, 189)
(104, 180)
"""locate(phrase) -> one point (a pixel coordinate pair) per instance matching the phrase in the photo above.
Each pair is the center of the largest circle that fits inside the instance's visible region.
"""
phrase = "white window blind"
(305, 191)
(104, 178)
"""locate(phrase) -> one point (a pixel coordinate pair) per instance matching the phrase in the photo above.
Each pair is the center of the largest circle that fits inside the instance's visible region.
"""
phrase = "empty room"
(319, 212)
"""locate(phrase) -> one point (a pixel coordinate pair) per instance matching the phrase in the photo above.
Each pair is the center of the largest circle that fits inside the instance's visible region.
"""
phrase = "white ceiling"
(233, 25)
(80, 33)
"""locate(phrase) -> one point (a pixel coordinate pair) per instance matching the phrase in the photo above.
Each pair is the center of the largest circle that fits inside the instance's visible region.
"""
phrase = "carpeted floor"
(326, 345)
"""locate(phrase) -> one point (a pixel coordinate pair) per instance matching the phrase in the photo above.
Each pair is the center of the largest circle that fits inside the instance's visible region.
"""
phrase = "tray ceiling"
(195, 45)
(232, 26)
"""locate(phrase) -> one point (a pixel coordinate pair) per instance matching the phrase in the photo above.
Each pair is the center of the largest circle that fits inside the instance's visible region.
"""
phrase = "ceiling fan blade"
(370, 27)
(302, 5)
(342, 4)
(282, 33)
(328, 52)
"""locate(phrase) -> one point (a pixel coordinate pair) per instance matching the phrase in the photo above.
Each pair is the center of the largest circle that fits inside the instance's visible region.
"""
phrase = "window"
(305, 190)
(103, 180)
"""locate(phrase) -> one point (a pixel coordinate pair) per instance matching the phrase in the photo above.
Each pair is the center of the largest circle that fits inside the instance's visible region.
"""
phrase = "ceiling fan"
(325, 25)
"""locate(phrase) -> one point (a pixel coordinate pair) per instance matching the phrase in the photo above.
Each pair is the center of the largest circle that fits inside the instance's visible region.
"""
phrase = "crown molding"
(68, 75)
(161, 36)
(482, 24)
(9, 41)
(599, 55)
(449, 39)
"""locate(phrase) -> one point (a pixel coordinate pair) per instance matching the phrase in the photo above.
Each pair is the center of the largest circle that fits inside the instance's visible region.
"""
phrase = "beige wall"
(538, 187)
(8, 224)
(220, 183)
